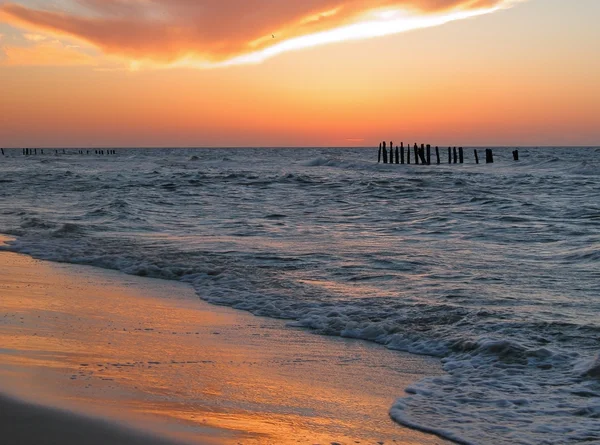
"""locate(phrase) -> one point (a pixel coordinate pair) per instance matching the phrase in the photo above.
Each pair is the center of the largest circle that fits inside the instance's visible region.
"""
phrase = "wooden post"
(476, 157)
(449, 155)
(489, 156)
(402, 152)
(437, 154)
(391, 152)
(416, 154)
(455, 155)
(397, 156)
(42, 151)
(384, 152)
(428, 154)
(422, 154)
(516, 155)
(2, 151)
(461, 155)
(378, 155)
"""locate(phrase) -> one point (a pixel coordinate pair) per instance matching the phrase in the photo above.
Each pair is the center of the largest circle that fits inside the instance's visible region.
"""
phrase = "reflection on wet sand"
(149, 352)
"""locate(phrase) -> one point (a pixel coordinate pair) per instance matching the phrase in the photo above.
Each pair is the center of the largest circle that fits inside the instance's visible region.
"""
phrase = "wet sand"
(150, 356)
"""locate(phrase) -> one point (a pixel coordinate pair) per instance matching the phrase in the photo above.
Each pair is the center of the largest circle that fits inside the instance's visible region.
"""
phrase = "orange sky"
(299, 73)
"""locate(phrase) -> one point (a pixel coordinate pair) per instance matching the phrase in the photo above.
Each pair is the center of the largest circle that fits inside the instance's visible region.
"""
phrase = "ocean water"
(493, 268)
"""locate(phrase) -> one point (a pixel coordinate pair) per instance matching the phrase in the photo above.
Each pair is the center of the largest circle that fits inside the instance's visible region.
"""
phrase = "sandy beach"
(148, 355)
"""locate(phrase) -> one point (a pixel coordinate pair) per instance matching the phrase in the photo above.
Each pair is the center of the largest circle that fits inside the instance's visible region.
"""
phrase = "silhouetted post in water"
(35, 151)
(402, 152)
(416, 154)
(437, 154)
(455, 153)
(2, 151)
(391, 152)
(379, 154)
(384, 153)
(489, 156)
(64, 151)
(428, 154)
(422, 154)
(449, 155)
(476, 157)
(397, 156)
(516, 155)
(408, 153)
(42, 151)
(461, 155)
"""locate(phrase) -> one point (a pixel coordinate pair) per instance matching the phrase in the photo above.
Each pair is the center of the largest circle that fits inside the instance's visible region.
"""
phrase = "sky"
(233, 73)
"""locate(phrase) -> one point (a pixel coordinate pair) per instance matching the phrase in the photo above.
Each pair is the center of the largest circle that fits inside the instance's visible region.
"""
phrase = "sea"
(493, 268)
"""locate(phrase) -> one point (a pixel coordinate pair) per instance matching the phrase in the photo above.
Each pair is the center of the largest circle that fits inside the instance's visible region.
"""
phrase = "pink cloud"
(166, 31)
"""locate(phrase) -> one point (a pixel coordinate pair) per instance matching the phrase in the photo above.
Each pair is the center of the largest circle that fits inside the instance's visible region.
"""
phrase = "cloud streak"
(223, 32)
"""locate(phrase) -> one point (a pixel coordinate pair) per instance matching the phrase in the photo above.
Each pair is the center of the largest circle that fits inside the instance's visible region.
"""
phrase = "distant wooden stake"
(416, 154)
(449, 155)
(428, 154)
(437, 154)
(402, 153)
(461, 155)
(384, 152)
(489, 156)
(516, 155)
(379, 154)
(408, 153)
(455, 152)
(397, 156)
(476, 157)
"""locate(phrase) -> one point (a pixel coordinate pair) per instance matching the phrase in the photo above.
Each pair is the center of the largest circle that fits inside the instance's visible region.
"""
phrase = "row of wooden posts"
(423, 154)
(34, 152)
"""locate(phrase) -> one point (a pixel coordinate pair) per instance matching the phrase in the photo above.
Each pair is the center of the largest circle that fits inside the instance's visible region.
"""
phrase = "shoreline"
(88, 339)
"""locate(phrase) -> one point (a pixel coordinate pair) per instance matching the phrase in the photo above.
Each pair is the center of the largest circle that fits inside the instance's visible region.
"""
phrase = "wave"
(490, 269)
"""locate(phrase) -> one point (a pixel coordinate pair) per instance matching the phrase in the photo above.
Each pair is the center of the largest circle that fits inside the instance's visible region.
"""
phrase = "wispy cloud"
(45, 53)
(216, 32)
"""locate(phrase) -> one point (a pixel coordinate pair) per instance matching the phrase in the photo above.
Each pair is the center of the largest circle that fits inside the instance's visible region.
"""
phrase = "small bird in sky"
(273, 35)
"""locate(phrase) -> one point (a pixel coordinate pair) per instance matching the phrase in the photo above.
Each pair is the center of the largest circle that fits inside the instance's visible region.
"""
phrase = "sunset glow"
(319, 72)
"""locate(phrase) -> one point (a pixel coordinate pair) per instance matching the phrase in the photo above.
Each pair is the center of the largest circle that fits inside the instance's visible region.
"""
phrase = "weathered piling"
(422, 154)
(515, 155)
(461, 155)
(402, 153)
(476, 157)
(455, 153)
(416, 154)
(378, 154)
(391, 152)
(449, 155)
(428, 154)
(437, 154)
(408, 153)
(385, 159)
(2, 151)
(489, 156)
(397, 155)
